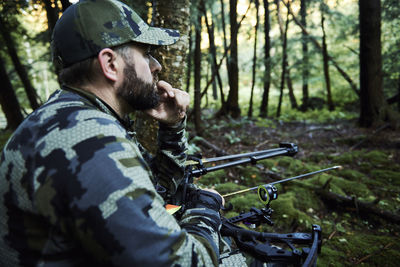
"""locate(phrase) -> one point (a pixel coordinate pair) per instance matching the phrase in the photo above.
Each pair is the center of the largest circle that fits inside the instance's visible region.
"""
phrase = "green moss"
(373, 250)
(213, 178)
(376, 158)
(318, 156)
(350, 174)
(351, 187)
(251, 176)
(268, 163)
(330, 257)
(285, 161)
(387, 176)
(350, 141)
(345, 158)
(243, 203)
(285, 211)
(228, 188)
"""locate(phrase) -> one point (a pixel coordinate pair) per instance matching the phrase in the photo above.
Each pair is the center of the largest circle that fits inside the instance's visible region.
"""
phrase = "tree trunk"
(8, 100)
(65, 4)
(267, 63)
(20, 69)
(353, 86)
(289, 82)
(305, 65)
(174, 15)
(292, 97)
(223, 109)
(52, 15)
(250, 112)
(326, 61)
(398, 91)
(373, 106)
(189, 61)
(213, 53)
(232, 104)
(197, 77)
(224, 37)
(284, 65)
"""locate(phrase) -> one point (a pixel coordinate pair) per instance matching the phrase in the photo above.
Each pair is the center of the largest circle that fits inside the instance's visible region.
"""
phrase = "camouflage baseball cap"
(88, 26)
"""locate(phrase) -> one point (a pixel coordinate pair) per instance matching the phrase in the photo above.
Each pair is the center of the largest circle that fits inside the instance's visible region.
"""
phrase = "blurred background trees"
(237, 58)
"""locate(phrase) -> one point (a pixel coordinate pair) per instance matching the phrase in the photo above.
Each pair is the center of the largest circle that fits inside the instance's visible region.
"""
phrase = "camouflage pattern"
(75, 189)
(91, 25)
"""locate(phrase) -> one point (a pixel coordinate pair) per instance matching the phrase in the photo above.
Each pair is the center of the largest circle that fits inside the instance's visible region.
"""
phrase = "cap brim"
(158, 36)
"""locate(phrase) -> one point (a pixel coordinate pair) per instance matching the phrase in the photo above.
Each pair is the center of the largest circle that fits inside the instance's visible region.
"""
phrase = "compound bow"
(266, 247)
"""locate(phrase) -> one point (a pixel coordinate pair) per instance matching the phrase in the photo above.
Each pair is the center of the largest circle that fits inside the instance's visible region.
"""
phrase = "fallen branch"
(374, 253)
(368, 137)
(352, 202)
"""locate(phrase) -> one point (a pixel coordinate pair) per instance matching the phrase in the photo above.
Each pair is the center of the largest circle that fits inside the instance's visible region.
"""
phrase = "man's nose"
(155, 66)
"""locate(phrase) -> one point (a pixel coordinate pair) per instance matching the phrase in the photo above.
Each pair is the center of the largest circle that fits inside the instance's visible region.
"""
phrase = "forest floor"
(370, 159)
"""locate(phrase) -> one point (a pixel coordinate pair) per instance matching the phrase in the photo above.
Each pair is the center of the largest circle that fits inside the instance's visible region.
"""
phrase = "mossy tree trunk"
(174, 15)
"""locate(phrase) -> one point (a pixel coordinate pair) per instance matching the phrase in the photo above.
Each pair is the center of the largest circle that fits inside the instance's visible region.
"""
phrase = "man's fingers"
(166, 88)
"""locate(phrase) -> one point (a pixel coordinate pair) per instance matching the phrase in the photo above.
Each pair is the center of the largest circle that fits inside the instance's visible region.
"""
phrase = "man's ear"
(108, 63)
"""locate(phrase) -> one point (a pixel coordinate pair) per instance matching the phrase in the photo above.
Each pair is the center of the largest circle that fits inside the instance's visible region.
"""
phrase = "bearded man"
(76, 187)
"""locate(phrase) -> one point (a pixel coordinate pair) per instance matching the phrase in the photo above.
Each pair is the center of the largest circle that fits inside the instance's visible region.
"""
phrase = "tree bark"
(65, 4)
(326, 61)
(197, 77)
(189, 61)
(52, 15)
(304, 44)
(398, 92)
(8, 100)
(173, 15)
(267, 63)
(292, 97)
(213, 54)
(250, 111)
(284, 55)
(20, 69)
(373, 107)
(232, 104)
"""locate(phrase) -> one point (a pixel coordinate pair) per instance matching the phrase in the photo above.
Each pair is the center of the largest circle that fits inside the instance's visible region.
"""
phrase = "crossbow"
(266, 247)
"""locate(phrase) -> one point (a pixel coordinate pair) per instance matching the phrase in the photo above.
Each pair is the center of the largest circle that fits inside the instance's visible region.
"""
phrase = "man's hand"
(173, 104)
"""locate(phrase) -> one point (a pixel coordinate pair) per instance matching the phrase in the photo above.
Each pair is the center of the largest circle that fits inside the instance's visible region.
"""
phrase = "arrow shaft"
(284, 180)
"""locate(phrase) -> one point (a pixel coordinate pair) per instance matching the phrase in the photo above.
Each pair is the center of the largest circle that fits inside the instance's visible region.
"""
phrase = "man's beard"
(140, 95)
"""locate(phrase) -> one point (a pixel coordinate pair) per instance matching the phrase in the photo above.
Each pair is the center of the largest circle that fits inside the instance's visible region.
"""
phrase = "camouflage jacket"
(76, 189)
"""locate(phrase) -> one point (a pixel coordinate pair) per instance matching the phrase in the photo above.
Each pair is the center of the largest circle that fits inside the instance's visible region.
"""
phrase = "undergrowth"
(370, 174)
